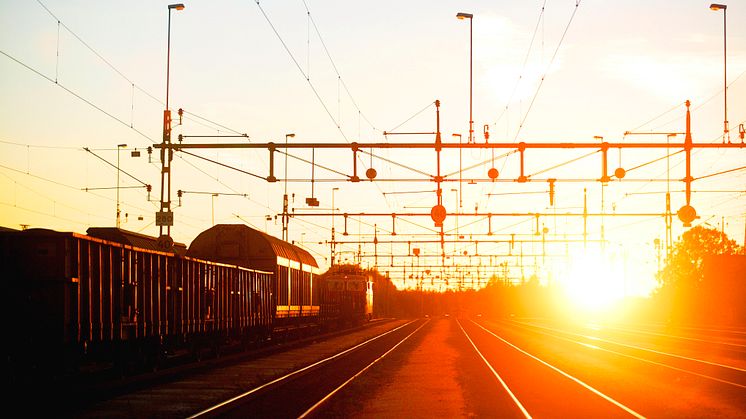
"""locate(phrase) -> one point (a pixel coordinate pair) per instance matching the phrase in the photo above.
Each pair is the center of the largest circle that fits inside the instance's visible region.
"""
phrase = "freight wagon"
(76, 300)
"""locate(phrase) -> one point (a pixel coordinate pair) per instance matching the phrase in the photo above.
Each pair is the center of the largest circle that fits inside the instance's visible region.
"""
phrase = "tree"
(682, 279)
(684, 265)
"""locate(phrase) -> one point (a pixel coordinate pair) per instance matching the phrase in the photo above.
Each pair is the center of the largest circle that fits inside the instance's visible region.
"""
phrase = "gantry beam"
(271, 146)
(454, 256)
(464, 241)
(438, 212)
(478, 214)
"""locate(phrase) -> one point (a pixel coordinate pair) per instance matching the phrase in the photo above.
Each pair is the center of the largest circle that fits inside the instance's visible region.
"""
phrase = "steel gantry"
(438, 212)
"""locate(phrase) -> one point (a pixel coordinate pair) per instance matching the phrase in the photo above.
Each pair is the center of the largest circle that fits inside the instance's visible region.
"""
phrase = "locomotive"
(347, 296)
(110, 296)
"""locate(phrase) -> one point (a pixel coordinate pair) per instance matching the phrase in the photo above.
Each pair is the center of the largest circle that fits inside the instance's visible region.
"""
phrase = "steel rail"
(214, 409)
(596, 347)
(502, 382)
(359, 373)
(577, 380)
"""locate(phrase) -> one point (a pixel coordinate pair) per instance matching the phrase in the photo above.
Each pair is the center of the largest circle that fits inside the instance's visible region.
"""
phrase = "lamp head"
(290, 135)
(464, 16)
(177, 6)
(716, 6)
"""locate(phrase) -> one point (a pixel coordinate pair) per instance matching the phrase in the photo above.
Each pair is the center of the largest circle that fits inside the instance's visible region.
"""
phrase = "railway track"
(449, 367)
(222, 390)
(639, 380)
(716, 341)
(303, 392)
(538, 387)
(694, 364)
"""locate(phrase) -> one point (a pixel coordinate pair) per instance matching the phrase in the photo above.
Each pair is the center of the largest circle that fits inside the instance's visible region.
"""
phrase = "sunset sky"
(86, 74)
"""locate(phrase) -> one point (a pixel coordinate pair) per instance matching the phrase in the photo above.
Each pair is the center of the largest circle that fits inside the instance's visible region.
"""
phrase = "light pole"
(213, 208)
(724, 8)
(333, 213)
(455, 191)
(285, 215)
(164, 217)
(469, 16)
(460, 171)
(178, 6)
(119, 147)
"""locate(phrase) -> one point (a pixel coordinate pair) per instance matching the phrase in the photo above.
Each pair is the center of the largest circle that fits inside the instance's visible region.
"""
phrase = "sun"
(594, 282)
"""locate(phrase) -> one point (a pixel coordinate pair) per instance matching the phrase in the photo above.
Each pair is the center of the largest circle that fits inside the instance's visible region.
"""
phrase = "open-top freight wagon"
(110, 297)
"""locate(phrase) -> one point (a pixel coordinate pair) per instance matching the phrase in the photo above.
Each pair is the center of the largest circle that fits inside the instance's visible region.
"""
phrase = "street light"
(462, 16)
(119, 147)
(178, 6)
(164, 217)
(724, 8)
(213, 208)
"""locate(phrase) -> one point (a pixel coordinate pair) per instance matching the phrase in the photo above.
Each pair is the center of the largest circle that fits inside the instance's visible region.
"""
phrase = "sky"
(79, 75)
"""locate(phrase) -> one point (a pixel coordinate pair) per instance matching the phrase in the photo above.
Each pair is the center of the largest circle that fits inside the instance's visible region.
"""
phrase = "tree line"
(702, 281)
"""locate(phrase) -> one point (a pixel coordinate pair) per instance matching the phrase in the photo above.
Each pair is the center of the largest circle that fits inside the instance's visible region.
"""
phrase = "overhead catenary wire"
(118, 71)
(543, 77)
(90, 48)
(36, 211)
(53, 147)
(223, 165)
(44, 196)
(114, 166)
(334, 66)
(55, 81)
(392, 130)
(223, 183)
(525, 61)
(674, 107)
(668, 155)
(305, 75)
(720, 173)
(313, 164)
(403, 166)
(563, 164)
(72, 92)
(310, 84)
(493, 186)
(482, 163)
(90, 103)
(134, 85)
(67, 186)
(701, 104)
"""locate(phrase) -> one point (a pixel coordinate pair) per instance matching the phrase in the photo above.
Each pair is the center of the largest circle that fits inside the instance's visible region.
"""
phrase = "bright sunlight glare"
(594, 282)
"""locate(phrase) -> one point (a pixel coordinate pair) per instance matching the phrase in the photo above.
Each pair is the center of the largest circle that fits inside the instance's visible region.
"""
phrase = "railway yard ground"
(183, 391)
(466, 367)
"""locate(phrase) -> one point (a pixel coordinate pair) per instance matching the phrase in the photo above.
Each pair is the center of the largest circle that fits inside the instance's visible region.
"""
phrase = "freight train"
(112, 297)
